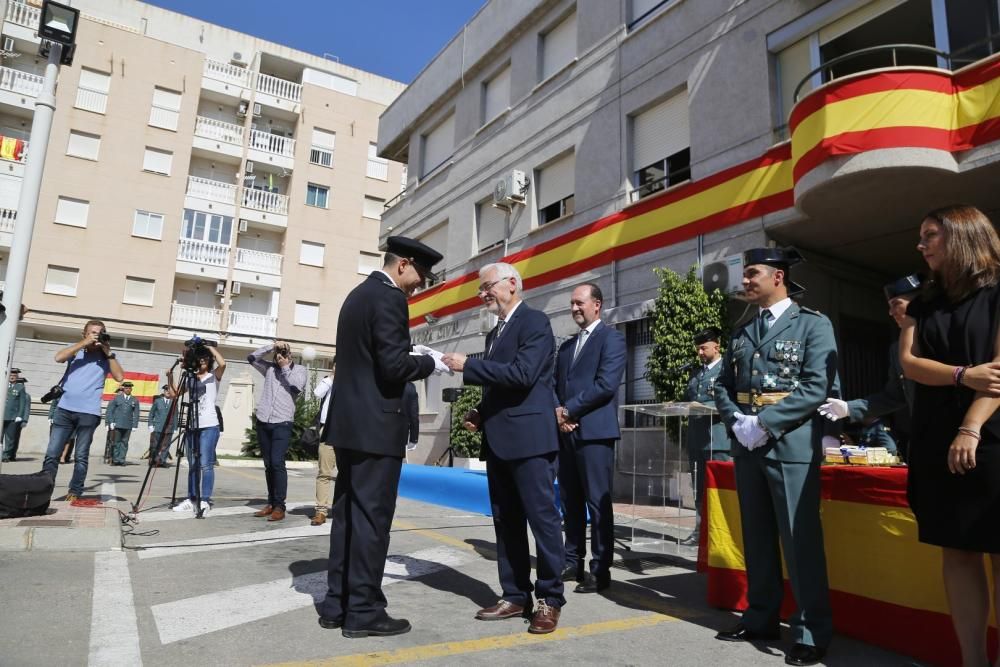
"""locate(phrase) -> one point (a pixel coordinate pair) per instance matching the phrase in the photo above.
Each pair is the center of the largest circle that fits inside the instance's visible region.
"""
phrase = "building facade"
(596, 140)
(197, 181)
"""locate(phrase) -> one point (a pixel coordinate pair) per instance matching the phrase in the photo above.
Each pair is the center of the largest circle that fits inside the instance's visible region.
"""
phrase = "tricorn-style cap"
(423, 256)
(781, 258)
(126, 383)
(15, 370)
(904, 285)
(706, 335)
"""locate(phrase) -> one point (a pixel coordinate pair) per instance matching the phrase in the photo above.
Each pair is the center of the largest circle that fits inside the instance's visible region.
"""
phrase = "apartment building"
(597, 140)
(197, 180)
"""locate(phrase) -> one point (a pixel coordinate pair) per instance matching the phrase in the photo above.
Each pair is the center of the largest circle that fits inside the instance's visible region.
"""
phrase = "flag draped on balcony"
(11, 148)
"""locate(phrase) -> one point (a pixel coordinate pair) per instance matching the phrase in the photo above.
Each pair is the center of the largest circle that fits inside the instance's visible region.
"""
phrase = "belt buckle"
(757, 400)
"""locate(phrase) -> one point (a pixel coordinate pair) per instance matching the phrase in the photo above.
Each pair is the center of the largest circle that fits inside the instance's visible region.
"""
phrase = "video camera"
(55, 392)
(195, 348)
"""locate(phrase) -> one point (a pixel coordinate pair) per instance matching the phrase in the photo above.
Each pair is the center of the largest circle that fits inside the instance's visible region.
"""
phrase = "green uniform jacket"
(158, 415)
(123, 412)
(18, 402)
(798, 354)
(705, 434)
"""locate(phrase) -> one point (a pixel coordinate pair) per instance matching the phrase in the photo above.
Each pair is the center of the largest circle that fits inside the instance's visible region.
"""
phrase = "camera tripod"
(185, 435)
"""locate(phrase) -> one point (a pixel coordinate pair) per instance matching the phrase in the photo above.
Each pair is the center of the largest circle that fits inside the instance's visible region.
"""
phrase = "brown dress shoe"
(318, 519)
(277, 515)
(264, 512)
(544, 620)
(501, 610)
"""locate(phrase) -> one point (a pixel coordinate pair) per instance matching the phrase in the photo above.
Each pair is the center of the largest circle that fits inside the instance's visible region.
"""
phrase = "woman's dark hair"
(972, 251)
(203, 353)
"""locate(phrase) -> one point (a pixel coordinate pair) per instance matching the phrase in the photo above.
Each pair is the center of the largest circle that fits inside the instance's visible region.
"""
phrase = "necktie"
(500, 325)
(581, 338)
(763, 323)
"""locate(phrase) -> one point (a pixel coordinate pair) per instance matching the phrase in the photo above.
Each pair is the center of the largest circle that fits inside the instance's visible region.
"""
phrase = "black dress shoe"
(804, 655)
(743, 634)
(571, 573)
(385, 627)
(690, 541)
(331, 623)
(592, 584)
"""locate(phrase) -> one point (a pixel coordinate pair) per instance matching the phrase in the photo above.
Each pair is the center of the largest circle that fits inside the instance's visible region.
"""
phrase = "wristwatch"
(110, 356)
(565, 414)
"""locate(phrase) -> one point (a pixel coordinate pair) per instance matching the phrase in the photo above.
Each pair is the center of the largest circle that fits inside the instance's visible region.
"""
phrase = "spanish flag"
(145, 386)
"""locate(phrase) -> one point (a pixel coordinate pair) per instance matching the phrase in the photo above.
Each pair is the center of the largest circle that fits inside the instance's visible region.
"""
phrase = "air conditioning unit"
(220, 288)
(243, 226)
(725, 275)
(510, 189)
(487, 321)
(241, 110)
(237, 59)
(237, 286)
(256, 110)
(8, 44)
(249, 167)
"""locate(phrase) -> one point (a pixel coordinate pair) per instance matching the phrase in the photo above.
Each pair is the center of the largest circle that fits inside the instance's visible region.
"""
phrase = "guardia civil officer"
(161, 426)
(15, 414)
(780, 366)
(121, 417)
(707, 439)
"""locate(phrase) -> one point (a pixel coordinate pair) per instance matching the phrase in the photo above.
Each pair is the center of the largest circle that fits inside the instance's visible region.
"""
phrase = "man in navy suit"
(368, 429)
(589, 370)
(521, 444)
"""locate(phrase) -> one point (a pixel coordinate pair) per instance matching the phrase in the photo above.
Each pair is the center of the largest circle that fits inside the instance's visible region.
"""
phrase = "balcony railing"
(378, 168)
(218, 130)
(262, 200)
(203, 252)
(252, 324)
(229, 73)
(257, 261)
(23, 14)
(205, 188)
(194, 317)
(8, 216)
(22, 83)
(272, 143)
(272, 85)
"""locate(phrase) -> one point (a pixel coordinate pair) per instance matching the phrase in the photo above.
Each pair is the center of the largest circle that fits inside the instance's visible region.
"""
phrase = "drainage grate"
(45, 523)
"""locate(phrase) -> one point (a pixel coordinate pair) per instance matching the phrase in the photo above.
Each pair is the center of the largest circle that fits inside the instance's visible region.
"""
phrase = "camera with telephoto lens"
(195, 348)
(104, 337)
(53, 393)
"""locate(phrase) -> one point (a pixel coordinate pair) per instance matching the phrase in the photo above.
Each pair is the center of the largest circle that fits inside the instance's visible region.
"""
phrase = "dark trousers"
(586, 470)
(522, 494)
(158, 451)
(120, 448)
(364, 501)
(698, 460)
(11, 438)
(274, 440)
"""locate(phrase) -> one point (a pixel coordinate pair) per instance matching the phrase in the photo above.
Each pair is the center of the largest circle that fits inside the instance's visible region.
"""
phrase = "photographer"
(79, 393)
(202, 359)
(283, 382)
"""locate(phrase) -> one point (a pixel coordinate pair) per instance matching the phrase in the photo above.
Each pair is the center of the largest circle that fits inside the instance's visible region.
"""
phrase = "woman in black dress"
(949, 345)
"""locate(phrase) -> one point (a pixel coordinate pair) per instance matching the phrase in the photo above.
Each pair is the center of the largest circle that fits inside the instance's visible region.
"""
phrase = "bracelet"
(956, 375)
(961, 375)
(970, 432)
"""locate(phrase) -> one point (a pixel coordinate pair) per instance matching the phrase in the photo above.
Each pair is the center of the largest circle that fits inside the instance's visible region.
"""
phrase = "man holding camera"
(283, 382)
(122, 416)
(80, 391)
(15, 415)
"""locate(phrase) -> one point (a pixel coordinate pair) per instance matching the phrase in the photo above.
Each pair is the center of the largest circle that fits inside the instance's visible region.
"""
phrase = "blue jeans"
(64, 423)
(205, 439)
(274, 440)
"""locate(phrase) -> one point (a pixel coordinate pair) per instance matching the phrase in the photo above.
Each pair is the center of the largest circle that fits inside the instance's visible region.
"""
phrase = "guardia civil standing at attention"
(122, 416)
(779, 368)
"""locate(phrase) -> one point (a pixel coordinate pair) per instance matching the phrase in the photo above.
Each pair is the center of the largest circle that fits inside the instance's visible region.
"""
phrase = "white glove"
(440, 367)
(739, 429)
(834, 409)
(831, 441)
(17, 419)
(150, 428)
(112, 426)
(749, 433)
(50, 422)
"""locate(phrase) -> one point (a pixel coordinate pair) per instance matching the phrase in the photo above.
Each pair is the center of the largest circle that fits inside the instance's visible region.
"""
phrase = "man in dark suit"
(368, 430)
(521, 444)
(411, 408)
(589, 369)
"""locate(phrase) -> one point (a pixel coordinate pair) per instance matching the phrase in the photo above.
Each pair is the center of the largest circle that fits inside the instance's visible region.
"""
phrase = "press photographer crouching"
(203, 368)
(79, 392)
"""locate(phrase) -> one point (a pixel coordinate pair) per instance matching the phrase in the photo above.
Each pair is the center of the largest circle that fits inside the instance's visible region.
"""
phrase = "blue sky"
(392, 38)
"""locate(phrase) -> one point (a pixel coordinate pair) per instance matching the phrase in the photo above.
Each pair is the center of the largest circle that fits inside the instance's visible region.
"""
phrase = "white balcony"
(251, 324)
(378, 168)
(20, 83)
(262, 200)
(228, 73)
(23, 14)
(91, 100)
(218, 130)
(272, 85)
(203, 252)
(194, 317)
(204, 188)
(272, 143)
(258, 262)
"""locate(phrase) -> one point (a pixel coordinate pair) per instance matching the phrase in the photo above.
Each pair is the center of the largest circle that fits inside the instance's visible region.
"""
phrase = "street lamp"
(58, 26)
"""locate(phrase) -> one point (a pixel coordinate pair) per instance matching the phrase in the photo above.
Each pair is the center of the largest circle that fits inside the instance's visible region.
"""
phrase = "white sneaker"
(186, 506)
(205, 507)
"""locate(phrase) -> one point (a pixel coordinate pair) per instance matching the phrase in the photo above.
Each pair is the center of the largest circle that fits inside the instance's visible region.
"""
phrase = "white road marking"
(234, 541)
(114, 631)
(108, 492)
(170, 515)
(192, 617)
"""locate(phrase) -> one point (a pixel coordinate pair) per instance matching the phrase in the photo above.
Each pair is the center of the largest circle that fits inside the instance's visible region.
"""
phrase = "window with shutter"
(61, 280)
(438, 145)
(312, 253)
(556, 189)
(559, 47)
(166, 107)
(323, 143)
(73, 212)
(306, 314)
(661, 139)
(83, 144)
(496, 95)
(139, 291)
(157, 161)
(373, 208)
(491, 225)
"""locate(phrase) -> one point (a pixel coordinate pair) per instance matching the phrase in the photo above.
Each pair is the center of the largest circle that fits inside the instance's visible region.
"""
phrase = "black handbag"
(25, 495)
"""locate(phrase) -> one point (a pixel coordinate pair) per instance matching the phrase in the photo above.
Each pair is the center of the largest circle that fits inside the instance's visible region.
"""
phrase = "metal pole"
(24, 226)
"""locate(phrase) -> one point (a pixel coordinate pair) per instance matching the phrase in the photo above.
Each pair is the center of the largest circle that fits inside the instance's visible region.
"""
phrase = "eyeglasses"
(486, 287)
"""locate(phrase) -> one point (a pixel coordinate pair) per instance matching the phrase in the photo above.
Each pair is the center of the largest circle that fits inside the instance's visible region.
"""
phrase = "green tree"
(306, 410)
(681, 310)
(464, 443)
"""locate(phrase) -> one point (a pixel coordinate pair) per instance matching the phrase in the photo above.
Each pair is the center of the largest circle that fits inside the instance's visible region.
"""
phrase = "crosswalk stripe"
(114, 631)
(195, 616)
(170, 515)
(234, 541)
